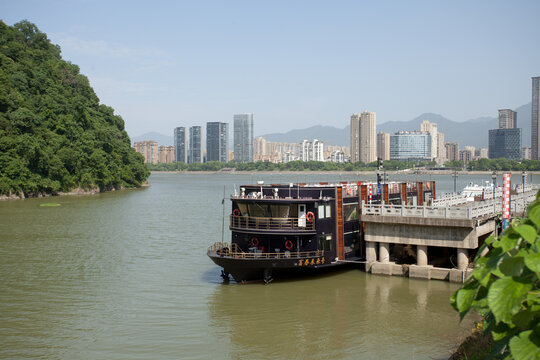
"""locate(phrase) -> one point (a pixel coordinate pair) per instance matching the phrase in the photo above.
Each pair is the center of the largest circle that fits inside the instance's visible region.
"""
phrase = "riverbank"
(476, 346)
(368, 172)
(79, 191)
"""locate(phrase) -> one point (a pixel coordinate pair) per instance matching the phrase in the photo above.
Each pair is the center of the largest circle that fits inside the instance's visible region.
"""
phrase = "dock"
(451, 228)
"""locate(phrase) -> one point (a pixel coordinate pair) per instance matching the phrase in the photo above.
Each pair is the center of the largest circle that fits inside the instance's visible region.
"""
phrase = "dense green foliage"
(290, 166)
(505, 289)
(54, 134)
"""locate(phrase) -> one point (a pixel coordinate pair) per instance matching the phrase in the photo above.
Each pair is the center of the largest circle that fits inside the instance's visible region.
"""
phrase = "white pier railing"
(470, 210)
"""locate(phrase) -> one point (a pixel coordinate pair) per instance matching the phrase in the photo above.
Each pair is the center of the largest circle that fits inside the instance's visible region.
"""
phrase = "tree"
(54, 134)
(505, 289)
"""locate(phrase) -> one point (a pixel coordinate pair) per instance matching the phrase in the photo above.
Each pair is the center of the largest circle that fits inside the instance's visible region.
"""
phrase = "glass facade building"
(505, 143)
(180, 143)
(217, 142)
(243, 138)
(195, 146)
(410, 145)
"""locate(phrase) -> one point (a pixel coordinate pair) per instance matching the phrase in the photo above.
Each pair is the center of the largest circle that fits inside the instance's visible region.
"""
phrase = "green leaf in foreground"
(464, 300)
(532, 261)
(505, 296)
(512, 266)
(527, 232)
(525, 346)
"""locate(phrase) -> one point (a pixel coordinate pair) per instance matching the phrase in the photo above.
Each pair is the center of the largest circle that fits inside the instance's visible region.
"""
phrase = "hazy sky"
(293, 64)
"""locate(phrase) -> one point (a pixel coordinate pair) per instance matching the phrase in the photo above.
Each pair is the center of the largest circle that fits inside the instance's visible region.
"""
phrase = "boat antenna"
(223, 217)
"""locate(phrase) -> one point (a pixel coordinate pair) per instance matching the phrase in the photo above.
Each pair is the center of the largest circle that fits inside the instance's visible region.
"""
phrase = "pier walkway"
(451, 224)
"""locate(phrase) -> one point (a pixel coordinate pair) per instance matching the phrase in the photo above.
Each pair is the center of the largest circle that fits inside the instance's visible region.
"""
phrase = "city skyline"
(366, 144)
(303, 61)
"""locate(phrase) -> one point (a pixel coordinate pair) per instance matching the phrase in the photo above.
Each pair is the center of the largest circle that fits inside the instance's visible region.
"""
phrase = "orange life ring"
(349, 190)
(288, 244)
(310, 216)
(254, 241)
(236, 212)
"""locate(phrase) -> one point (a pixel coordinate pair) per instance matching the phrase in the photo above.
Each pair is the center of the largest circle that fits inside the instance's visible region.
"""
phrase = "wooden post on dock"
(403, 193)
(385, 196)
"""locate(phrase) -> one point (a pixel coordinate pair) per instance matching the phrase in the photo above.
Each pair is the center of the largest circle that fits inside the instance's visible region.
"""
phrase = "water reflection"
(345, 315)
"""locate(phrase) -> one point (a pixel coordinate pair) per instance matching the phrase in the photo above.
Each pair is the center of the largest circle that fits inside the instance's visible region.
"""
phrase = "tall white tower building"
(364, 137)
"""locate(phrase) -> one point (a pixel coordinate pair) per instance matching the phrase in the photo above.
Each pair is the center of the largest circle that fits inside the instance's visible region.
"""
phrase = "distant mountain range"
(160, 138)
(471, 132)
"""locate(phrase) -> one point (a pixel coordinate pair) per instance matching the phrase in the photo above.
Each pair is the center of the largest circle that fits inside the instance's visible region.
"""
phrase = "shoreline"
(75, 192)
(369, 172)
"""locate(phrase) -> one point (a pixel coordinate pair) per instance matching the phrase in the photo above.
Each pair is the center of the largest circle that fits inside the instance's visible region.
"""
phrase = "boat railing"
(232, 250)
(271, 223)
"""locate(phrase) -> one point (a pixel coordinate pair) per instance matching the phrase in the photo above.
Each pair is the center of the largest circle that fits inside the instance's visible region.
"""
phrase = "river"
(125, 275)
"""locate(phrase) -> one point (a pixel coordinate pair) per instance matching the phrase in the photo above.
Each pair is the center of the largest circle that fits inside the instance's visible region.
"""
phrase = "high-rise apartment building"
(337, 156)
(383, 145)
(482, 153)
(355, 137)
(195, 145)
(431, 129)
(217, 141)
(452, 151)
(441, 149)
(507, 119)
(466, 155)
(180, 144)
(149, 149)
(312, 150)
(165, 154)
(243, 138)
(535, 119)
(364, 137)
(260, 148)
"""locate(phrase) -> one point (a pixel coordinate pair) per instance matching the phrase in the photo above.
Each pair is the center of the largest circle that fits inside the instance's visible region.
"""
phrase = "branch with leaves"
(504, 289)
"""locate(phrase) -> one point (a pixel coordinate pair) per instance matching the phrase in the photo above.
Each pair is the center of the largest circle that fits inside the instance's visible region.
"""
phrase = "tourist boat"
(293, 229)
(474, 192)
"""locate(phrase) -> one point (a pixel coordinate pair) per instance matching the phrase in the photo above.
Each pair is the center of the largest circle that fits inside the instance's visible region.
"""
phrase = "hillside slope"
(54, 133)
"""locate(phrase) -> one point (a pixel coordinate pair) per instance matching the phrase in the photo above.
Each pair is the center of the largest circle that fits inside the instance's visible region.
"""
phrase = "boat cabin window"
(324, 211)
(280, 211)
(350, 212)
(264, 210)
(243, 208)
(320, 211)
(258, 210)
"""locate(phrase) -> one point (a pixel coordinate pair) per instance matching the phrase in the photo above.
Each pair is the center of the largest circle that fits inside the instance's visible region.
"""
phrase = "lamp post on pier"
(454, 175)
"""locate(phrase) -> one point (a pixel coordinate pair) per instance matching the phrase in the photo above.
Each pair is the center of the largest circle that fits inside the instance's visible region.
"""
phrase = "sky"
(294, 64)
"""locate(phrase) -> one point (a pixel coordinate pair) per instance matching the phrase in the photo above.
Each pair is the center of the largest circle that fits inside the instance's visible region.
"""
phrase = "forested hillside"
(54, 134)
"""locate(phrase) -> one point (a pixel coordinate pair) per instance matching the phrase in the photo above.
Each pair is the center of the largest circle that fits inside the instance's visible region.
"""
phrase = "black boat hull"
(247, 270)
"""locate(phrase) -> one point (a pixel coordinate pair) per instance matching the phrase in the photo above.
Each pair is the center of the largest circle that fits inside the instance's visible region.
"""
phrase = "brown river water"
(124, 275)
